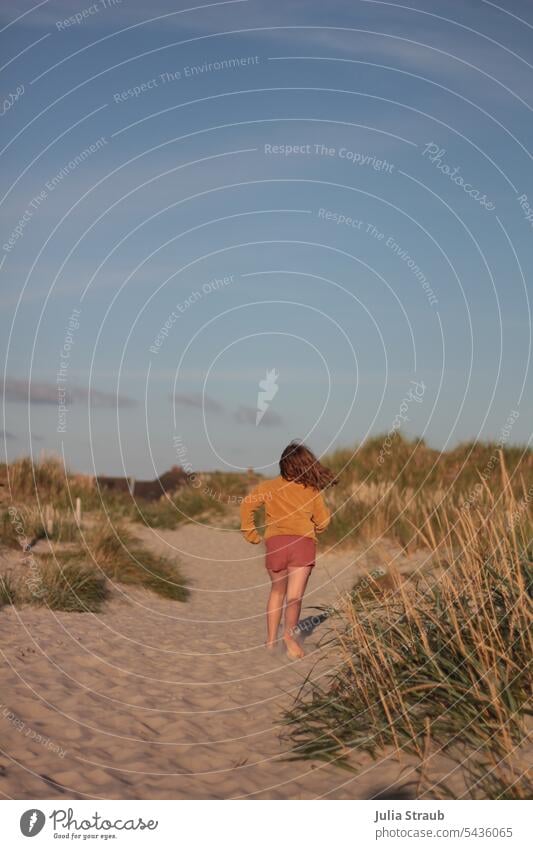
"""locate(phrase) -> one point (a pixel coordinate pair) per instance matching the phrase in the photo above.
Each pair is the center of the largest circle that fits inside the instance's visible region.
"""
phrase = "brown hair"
(298, 463)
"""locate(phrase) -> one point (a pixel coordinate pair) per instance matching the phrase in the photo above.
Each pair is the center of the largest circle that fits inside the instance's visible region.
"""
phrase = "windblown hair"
(299, 464)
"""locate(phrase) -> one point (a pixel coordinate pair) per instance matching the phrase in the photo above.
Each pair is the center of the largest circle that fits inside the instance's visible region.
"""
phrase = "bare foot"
(294, 649)
(270, 645)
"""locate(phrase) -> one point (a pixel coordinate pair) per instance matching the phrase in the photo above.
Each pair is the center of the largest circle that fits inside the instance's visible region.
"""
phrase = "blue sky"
(298, 210)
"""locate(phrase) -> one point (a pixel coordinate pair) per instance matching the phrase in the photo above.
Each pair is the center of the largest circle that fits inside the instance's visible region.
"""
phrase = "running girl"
(295, 514)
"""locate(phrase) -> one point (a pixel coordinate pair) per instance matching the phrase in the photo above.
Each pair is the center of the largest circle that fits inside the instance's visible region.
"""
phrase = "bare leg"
(275, 605)
(296, 584)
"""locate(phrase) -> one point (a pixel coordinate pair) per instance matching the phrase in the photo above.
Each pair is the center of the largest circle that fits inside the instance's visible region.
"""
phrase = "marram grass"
(438, 665)
(122, 559)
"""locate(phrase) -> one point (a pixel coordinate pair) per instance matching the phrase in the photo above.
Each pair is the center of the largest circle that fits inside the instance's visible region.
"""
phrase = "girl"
(295, 513)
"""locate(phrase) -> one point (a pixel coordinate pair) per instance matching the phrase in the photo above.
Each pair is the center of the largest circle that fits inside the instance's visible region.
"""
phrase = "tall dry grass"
(412, 463)
(46, 481)
(416, 485)
(439, 664)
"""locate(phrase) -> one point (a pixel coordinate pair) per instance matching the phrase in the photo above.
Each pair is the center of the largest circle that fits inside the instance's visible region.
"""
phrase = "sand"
(156, 699)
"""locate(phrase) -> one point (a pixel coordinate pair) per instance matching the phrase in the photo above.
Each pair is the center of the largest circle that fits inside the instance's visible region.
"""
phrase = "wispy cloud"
(197, 401)
(19, 391)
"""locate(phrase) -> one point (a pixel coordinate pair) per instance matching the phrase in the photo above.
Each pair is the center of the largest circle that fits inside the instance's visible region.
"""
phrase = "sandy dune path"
(156, 699)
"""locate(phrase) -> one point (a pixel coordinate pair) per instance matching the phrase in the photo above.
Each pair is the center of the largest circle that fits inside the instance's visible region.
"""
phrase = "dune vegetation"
(439, 663)
(429, 664)
(396, 493)
(67, 565)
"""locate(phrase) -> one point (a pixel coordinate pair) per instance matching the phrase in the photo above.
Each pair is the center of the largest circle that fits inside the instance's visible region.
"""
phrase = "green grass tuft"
(63, 584)
(121, 557)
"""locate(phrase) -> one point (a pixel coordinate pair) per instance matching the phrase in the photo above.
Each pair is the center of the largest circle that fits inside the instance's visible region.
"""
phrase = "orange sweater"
(291, 508)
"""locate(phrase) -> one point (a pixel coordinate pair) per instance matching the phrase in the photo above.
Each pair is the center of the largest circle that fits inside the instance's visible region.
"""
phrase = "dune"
(155, 699)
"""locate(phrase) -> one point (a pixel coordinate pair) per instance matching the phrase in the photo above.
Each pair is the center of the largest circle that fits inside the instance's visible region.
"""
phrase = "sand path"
(157, 699)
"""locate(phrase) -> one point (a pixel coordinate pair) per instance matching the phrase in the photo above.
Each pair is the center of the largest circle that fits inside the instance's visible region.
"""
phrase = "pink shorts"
(286, 551)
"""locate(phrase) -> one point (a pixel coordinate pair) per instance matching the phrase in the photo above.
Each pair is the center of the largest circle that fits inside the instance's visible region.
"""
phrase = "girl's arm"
(321, 515)
(249, 505)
